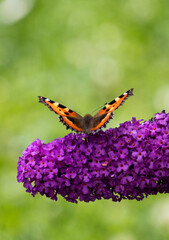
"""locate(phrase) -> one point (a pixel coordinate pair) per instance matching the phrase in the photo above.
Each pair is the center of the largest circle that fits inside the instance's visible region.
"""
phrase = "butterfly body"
(88, 123)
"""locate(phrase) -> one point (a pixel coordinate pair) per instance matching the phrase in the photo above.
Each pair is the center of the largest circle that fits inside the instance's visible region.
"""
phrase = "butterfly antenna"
(99, 108)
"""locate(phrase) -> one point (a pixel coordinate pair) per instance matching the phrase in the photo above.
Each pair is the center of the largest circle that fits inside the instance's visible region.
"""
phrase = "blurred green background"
(81, 53)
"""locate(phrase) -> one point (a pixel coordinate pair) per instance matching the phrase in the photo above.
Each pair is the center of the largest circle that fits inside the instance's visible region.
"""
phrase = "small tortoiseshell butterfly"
(88, 123)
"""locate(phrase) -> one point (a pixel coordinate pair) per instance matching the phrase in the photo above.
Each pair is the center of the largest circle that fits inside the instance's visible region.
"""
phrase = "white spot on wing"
(117, 98)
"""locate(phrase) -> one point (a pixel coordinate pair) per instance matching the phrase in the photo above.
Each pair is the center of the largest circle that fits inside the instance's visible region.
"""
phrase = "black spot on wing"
(51, 101)
(61, 106)
(71, 119)
(121, 96)
(112, 102)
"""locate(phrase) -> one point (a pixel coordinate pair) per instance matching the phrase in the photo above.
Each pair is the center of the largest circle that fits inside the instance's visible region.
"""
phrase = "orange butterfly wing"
(76, 122)
(106, 113)
(67, 116)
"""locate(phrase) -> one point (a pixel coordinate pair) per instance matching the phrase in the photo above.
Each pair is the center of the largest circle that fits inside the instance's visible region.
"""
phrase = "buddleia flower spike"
(128, 162)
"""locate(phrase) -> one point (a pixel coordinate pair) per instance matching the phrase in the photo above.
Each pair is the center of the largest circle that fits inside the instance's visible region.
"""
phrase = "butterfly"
(88, 123)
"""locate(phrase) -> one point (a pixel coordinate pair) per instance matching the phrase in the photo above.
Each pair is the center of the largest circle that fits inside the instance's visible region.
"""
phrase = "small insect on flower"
(88, 123)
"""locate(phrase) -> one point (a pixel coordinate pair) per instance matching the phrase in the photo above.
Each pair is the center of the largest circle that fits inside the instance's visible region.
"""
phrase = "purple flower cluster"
(128, 162)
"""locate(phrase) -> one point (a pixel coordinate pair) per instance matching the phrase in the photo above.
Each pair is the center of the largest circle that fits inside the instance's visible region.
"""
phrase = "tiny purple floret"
(128, 162)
